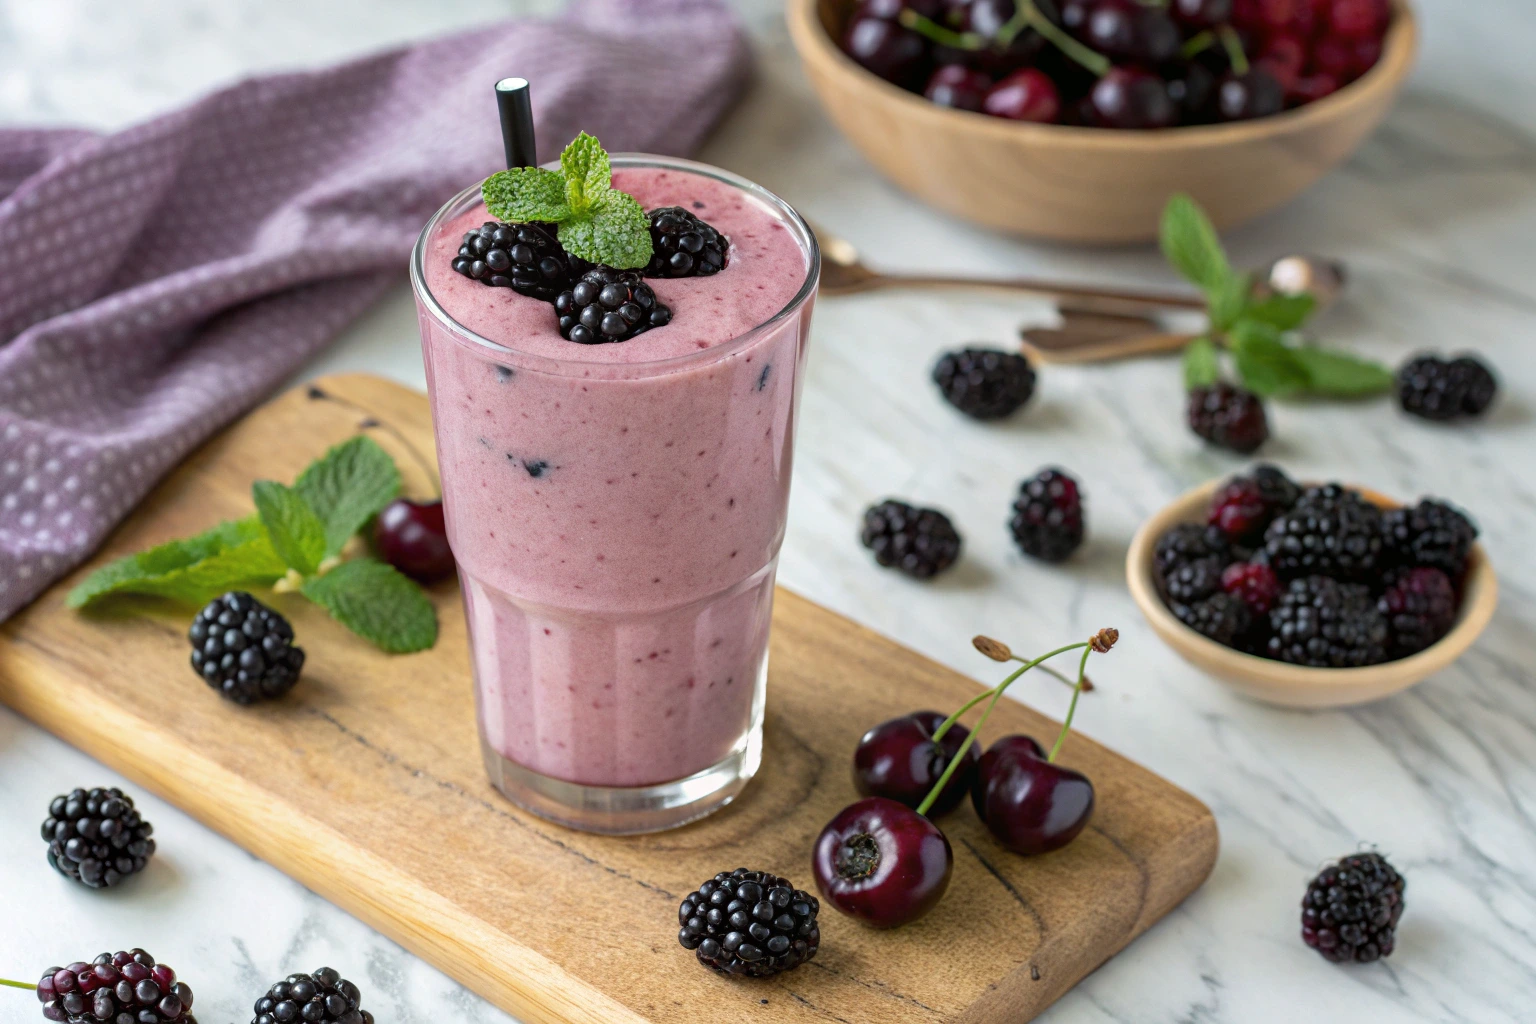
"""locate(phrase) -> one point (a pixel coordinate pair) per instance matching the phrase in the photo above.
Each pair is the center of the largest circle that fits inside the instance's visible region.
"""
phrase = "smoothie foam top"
(766, 269)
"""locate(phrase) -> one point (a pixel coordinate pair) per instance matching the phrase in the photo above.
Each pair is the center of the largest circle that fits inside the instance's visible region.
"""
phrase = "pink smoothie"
(616, 510)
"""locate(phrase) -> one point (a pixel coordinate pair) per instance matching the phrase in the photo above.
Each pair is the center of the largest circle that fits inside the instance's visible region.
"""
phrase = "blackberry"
(1327, 624)
(1221, 617)
(320, 997)
(1228, 416)
(609, 305)
(983, 383)
(682, 245)
(1420, 608)
(1188, 542)
(1331, 531)
(527, 258)
(1431, 533)
(918, 541)
(1257, 586)
(96, 837)
(1245, 505)
(244, 649)
(1048, 516)
(1194, 581)
(1436, 389)
(115, 988)
(1351, 909)
(749, 922)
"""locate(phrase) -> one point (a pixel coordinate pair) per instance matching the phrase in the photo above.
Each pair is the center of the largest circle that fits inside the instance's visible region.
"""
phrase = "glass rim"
(589, 368)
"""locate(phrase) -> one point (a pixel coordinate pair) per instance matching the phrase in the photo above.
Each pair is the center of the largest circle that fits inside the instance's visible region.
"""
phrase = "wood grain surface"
(365, 784)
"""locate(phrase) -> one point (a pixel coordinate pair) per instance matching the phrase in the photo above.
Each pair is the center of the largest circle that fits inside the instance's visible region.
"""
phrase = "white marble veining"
(1436, 217)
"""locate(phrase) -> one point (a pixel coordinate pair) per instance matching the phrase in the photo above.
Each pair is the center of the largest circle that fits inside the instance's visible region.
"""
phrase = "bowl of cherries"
(885, 861)
(1076, 119)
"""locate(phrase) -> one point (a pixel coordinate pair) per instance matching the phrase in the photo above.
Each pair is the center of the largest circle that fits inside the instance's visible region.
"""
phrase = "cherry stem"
(1234, 48)
(17, 984)
(925, 26)
(1066, 723)
(1087, 683)
(996, 694)
(1197, 44)
(1088, 57)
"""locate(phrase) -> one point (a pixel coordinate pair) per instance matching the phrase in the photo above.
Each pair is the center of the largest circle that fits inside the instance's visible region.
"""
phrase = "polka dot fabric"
(157, 282)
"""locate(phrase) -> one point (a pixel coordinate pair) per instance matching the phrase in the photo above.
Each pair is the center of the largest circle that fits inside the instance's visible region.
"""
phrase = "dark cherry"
(955, 85)
(1285, 57)
(900, 761)
(1026, 95)
(894, 53)
(1193, 90)
(986, 18)
(882, 862)
(1201, 14)
(1129, 98)
(411, 536)
(1255, 94)
(1030, 804)
(1128, 30)
(890, 10)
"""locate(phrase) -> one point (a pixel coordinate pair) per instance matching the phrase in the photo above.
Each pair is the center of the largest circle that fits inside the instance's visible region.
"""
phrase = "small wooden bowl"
(1088, 184)
(1275, 682)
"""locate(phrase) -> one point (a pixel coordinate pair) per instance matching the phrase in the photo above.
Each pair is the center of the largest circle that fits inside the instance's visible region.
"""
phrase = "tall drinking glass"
(616, 510)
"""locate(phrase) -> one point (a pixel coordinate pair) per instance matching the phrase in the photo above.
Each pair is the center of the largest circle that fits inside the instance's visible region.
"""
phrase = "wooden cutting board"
(365, 784)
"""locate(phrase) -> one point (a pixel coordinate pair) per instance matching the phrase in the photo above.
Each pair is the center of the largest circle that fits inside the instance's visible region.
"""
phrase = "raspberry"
(1228, 417)
(1351, 909)
(749, 922)
(1256, 586)
(1048, 516)
(920, 542)
(1431, 533)
(1221, 617)
(1331, 531)
(1359, 19)
(1247, 504)
(984, 383)
(1327, 624)
(1420, 608)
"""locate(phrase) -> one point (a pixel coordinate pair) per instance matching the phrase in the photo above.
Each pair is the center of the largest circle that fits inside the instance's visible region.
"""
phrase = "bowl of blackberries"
(1076, 119)
(1312, 594)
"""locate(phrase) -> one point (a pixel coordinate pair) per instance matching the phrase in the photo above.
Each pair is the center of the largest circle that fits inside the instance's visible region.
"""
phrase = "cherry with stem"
(19, 984)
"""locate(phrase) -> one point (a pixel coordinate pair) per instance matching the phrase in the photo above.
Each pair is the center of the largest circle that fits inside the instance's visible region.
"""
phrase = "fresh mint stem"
(1077, 691)
(995, 694)
(18, 984)
(1234, 48)
(932, 30)
(1089, 58)
(1197, 44)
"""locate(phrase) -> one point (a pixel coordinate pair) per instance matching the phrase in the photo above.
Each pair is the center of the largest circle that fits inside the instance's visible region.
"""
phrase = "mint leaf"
(1340, 374)
(1266, 364)
(1287, 312)
(523, 194)
(1202, 366)
(588, 174)
(195, 568)
(348, 486)
(378, 604)
(297, 534)
(1189, 242)
(1229, 302)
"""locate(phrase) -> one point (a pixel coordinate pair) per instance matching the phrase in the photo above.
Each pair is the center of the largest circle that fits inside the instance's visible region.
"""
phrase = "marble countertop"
(1435, 217)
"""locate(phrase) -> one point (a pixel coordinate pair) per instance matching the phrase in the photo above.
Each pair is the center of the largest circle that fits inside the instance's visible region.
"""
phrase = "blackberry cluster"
(527, 258)
(96, 837)
(1228, 417)
(1351, 909)
(682, 245)
(608, 305)
(321, 997)
(985, 384)
(920, 542)
(1333, 582)
(1048, 521)
(244, 649)
(1437, 389)
(749, 922)
(115, 988)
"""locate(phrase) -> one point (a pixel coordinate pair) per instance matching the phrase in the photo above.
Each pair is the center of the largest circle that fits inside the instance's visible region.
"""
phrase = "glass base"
(627, 810)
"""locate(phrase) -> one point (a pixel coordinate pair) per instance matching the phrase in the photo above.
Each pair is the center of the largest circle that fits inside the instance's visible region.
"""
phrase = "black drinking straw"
(516, 121)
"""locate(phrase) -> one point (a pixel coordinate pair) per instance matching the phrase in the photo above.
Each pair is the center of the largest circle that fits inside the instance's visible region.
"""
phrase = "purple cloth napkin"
(157, 282)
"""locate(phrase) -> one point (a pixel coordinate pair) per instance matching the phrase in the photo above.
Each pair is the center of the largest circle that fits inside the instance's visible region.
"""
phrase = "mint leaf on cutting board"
(1340, 374)
(234, 552)
(347, 486)
(1266, 364)
(296, 532)
(377, 603)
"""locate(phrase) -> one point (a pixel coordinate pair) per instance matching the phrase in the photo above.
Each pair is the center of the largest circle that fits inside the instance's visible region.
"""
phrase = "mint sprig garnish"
(297, 536)
(1259, 331)
(593, 220)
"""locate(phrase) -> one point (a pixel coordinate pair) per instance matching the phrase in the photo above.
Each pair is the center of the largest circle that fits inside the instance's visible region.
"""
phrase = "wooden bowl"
(1275, 682)
(1088, 184)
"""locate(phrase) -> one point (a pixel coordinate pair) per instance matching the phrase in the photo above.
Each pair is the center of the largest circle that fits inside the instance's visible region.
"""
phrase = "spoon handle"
(1069, 297)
